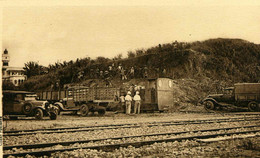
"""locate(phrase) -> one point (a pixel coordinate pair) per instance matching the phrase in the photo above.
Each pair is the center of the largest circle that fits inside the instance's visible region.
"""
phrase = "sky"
(55, 33)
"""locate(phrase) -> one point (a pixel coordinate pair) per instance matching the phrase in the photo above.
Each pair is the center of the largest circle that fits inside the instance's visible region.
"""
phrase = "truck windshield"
(228, 91)
(30, 97)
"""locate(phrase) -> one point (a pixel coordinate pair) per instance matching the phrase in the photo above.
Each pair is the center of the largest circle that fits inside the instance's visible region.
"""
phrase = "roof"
(17, 92)
(14, 69)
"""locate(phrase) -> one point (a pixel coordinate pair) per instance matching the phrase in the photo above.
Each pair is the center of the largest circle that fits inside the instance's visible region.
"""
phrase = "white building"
(13, 74)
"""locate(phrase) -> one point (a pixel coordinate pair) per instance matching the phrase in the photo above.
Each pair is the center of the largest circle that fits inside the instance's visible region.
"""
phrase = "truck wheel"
(38, 114)
(209, 105)
(253, 106)
(84, 110)
(53, 115)
(27, 108)
(58, 110)
(102, 111)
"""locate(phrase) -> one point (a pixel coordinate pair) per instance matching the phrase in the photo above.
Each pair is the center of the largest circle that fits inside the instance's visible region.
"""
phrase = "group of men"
(127, 102)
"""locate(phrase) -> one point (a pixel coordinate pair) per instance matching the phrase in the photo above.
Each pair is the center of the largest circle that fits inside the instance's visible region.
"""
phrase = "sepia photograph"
(116, 79)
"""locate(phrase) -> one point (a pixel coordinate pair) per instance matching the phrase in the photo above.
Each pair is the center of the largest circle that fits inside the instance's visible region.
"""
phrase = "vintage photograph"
(131, 79)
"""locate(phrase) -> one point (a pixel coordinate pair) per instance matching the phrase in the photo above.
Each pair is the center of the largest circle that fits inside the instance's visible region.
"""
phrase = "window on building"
(5, 64)
(15, 82)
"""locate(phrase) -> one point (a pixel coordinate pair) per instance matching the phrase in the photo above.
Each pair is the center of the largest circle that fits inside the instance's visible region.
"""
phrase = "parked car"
(22, 103)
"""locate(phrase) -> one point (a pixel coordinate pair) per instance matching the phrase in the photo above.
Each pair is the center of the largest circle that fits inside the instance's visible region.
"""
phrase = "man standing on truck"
(137, 100)
(128, 100)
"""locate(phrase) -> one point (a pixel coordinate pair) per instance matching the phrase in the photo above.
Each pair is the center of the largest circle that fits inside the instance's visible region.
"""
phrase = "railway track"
(117, 126)
(46, 148)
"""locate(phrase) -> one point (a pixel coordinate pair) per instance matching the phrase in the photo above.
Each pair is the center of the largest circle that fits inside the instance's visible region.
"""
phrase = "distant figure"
(128, 100)
(97, 73)
(132, 72)
(145, 74)
(137, 100)
(123, 76)
(122, 101)
(101, 75)
(164, 72)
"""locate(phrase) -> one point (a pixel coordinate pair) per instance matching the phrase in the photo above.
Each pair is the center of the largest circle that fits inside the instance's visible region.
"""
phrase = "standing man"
(137, 100)
(128, 100)
(122, 101)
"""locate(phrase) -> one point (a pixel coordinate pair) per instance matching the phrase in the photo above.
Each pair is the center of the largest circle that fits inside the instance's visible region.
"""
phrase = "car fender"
(60, 105)
(210, 99)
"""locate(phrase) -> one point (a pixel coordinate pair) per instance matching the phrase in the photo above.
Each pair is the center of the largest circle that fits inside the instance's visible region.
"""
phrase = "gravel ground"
(174, 149)
(109, 118)
(46, 138)
(248, 147)
(234, 148)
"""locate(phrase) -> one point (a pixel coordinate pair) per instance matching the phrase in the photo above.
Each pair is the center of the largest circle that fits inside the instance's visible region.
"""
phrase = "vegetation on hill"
(199, 67)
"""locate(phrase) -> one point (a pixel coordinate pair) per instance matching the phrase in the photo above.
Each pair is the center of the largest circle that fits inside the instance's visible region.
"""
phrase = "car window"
(18, 97)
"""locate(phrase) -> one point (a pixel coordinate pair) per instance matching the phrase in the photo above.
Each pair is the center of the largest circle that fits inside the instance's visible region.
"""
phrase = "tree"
(33, 68)
(8, 85)
(130, 54)
(118, 57)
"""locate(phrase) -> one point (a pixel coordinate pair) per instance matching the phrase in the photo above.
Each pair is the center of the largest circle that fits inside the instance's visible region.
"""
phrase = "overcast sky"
(47, 34)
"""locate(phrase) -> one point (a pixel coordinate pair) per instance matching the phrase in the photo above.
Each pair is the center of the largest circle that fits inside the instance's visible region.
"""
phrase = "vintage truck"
(82, 99)
(241, 95)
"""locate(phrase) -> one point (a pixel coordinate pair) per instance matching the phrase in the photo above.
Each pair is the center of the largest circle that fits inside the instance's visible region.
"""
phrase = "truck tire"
(102, 111)
(253, 106)
(58, 110)
(27, 108)
(209, 105)
(53, 115)
(84, 110)
(38, 114)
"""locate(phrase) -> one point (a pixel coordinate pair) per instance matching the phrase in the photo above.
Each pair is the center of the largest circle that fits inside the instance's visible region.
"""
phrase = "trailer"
(157, 95)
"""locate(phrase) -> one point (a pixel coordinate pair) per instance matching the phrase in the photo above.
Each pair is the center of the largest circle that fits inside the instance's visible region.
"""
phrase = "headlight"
(47, 104)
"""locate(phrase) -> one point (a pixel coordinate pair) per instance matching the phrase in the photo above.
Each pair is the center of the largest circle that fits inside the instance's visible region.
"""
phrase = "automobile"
(241, 95)
(23, 103)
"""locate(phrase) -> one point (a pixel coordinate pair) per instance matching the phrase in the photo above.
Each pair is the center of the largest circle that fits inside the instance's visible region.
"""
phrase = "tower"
(5, 59)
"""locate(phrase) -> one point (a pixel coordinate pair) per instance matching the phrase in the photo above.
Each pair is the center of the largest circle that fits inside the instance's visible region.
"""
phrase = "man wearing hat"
(128, 100)
(137, 100)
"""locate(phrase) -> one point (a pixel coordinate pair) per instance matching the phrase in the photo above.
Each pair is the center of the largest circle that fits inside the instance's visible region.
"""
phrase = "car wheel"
(27, 108)
(253, 106)
(38, 114)
(84, 110)
(209, 105)
(53, 115)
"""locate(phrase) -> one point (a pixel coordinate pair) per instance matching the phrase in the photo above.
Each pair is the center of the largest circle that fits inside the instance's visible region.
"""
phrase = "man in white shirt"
(128, 100)
(137, 100)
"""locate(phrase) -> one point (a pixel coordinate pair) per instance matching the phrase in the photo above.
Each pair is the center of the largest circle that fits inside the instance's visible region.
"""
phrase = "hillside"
(197, 68)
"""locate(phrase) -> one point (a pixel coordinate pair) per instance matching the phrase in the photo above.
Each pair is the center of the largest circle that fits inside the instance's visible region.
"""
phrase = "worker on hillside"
(137, 100)
(128, 101)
